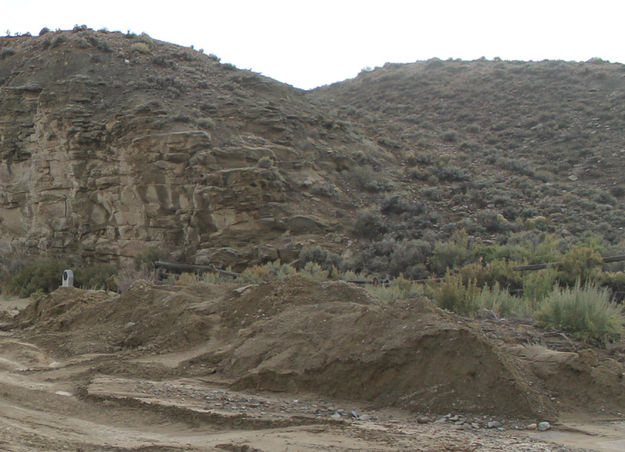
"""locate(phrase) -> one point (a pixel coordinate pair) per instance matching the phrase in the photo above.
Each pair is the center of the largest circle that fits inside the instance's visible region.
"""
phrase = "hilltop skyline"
(317, 43)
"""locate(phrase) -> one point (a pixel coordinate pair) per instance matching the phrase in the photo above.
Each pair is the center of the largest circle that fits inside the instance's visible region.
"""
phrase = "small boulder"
(544, 426)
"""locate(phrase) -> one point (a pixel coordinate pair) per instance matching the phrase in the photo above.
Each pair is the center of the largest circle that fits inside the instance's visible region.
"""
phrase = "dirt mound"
(332, 338)
(329, 338)
(73, 321)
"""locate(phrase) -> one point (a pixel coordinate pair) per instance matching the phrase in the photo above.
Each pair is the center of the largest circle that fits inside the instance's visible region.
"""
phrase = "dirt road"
(51, 405)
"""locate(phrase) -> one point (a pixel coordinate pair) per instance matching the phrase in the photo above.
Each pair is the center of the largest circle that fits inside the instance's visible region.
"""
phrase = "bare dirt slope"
(296, 365)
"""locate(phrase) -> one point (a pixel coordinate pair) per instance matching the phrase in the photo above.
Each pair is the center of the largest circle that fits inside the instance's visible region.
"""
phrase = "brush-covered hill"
(111, 144)
(509, 151)
(520, 139)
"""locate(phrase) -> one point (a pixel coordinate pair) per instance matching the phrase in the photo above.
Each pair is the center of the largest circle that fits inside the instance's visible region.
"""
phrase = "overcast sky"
(311, 43)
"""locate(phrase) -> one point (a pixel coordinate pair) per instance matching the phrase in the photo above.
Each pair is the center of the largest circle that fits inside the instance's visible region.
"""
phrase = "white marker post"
(68, 278)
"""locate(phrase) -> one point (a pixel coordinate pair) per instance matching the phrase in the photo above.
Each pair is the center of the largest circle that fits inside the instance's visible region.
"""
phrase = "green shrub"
(581, 263)
(450, 254)
(450, 136)
(615, 281)
(7, 52)
(41, 274)
(316, 254)
(450, 173)
(369, 224)
(503, 303)
(618, 191)
(315, 272)
(147, 257)
(490, 253)
(585, 312)
(96, 276)
(409, 257)
(270, 271)
(537, 285)
(370, 181)
(146, 38)
(501, 272)
(99, 43)
(140, 47)
(398, 204)
(419, 174)
(457, 296)
(58, 40)
(399, 289)
(265, 162)
(493, 221)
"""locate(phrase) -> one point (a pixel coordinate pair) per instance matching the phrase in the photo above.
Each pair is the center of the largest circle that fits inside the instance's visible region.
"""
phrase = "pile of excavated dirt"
(332, 338)
(328, 338)
(71, 321)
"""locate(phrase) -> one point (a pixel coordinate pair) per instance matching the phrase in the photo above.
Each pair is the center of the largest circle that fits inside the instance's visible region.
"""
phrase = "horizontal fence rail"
(177, 267)
(173, 266)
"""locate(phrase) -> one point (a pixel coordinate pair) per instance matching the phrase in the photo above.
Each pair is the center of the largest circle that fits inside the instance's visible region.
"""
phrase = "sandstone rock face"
(105, 152)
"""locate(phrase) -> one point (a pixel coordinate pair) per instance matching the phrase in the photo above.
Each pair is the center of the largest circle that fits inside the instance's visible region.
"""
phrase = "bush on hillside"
(42, 274)
(318, 255)
(503, 303)
(581, 263)
(584, 312)
(457, 296)
(450, 254)
(147, 257)
(537, 285)
(369, 180)
(409, 257)
(140, 47)
(369, 224)
(96, 276)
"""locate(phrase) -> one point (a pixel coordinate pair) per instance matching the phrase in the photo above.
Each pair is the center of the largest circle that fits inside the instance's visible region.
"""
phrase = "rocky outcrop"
(106, 151)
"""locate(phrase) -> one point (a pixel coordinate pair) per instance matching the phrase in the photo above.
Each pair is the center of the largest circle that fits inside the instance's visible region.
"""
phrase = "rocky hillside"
(111, 144)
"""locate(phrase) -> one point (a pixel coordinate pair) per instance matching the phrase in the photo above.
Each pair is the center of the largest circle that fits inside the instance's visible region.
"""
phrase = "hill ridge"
(113, 144)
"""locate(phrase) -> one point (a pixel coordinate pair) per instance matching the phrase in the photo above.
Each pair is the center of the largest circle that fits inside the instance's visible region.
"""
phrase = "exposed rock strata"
(105, 151)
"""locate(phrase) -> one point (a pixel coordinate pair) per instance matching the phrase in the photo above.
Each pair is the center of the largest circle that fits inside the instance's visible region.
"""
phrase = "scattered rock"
(532, 426)
(427, 420)
(544, 426)
(243, 289)
(493, 424)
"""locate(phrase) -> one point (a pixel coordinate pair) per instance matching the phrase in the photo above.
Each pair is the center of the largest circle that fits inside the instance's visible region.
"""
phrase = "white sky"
(311, 43)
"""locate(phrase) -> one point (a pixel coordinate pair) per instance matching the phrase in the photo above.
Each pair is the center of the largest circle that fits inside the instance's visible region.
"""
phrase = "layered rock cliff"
(112, 143)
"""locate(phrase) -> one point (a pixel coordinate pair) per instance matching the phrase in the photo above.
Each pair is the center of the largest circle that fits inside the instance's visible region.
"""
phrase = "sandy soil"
(75, 374)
